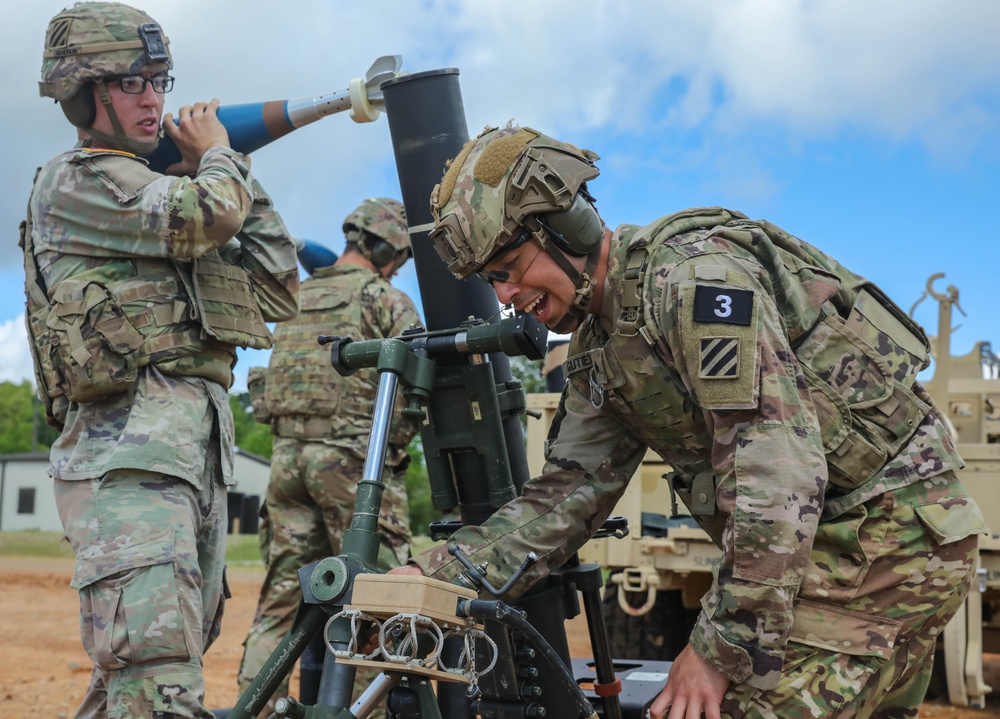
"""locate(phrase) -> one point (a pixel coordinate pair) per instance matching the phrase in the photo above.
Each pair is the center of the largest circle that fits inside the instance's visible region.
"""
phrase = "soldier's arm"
(404, 316)
(390, 311)
(193, 215)
(267, 253)
(111, 205)
(588, 467)
(767, 457)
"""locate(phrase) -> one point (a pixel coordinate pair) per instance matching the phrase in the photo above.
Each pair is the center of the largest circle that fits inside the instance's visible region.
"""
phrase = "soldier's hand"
(694, 688)
(197, 129)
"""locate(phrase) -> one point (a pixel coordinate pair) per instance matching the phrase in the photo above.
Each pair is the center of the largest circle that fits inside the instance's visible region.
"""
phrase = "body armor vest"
(91, 332)
(305, 397)
(860, 354)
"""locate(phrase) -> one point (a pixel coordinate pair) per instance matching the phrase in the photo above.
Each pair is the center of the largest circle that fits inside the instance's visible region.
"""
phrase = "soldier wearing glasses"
(780, 387)
(140, 286)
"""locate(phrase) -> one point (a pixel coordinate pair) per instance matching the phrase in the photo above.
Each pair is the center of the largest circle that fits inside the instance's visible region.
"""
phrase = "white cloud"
(660, 87)
(15, 355)
(895, 69)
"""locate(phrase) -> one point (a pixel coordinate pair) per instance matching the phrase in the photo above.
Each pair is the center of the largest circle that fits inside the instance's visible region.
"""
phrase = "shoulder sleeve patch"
(718, 330)
(123, 174)
(723, 305)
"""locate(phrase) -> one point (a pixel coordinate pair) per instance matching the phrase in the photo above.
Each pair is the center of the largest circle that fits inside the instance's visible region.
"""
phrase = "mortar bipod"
(327, 585)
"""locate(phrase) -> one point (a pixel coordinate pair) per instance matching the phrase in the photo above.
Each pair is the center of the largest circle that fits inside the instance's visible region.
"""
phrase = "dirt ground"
(44, 670)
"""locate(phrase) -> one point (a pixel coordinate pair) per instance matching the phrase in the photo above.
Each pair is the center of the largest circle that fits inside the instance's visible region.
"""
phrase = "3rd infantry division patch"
(719, 358)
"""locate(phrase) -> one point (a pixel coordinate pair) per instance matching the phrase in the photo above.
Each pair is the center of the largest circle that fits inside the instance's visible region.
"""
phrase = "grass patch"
(33, 543)
(241, 549)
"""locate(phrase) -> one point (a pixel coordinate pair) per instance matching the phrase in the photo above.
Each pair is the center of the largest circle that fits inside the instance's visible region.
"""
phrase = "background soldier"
(321, 421)
(138, 296)
(780, 387)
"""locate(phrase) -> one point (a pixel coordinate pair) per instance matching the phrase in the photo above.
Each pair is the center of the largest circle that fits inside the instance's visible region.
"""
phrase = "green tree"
(418, 489)
(529, 372)
(251, 435)
(22, 420)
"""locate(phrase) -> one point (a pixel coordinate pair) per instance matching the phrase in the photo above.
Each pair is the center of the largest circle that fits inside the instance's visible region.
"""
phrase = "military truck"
(659, 572)
(967, 389)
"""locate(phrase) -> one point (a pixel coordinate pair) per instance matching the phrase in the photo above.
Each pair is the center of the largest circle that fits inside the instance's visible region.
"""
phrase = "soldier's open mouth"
(537, 307)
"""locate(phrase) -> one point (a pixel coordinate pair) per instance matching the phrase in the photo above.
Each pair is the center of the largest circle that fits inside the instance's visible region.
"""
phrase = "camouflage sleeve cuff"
(222, 155)
(731, 660)
(734, 661)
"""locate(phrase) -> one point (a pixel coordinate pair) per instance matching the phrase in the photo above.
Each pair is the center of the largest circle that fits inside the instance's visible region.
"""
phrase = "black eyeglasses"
(502, 275)
(136, 84)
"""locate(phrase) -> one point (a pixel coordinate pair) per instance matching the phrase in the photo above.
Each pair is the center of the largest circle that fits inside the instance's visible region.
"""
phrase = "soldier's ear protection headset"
(81, 109)
(539, 183)
(576, 230)
(372, 247)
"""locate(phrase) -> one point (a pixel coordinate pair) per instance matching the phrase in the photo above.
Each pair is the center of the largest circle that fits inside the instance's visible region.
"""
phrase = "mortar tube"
(428, 128)
(427, 125)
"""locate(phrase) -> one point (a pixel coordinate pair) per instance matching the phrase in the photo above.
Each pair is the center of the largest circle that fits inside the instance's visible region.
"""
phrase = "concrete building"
(27, 501)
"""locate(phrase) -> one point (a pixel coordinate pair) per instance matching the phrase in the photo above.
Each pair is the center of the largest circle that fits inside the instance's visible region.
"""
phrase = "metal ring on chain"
(416, 622)
(473, 689)
(469, 649)
(467, 659)
(356, 616)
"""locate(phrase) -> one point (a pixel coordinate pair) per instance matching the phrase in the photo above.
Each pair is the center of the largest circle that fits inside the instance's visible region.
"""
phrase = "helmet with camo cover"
(513, 184)
(385, 219)
(92, 41)
(503, 182)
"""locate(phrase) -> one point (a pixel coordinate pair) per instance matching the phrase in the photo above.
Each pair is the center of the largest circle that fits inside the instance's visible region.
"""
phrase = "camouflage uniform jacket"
(306, 398)
(707, 356)
(84, 220)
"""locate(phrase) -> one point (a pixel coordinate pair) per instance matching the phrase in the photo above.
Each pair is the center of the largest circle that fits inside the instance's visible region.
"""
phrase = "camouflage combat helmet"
(502, 182)
(514, 180)
(385, 219)
(92, 41)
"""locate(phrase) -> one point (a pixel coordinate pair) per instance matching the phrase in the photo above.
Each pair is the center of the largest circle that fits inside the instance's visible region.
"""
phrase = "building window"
(26, 500)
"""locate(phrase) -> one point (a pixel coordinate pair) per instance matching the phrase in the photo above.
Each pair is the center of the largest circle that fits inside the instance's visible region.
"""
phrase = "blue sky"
(869, 129)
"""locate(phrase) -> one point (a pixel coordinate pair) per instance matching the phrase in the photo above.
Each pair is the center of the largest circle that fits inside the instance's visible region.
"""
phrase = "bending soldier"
(321, 422)
(140, 288)
(781, 388)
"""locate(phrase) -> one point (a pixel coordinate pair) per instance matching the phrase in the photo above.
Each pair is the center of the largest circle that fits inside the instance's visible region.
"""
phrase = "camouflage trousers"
(150, 570)
(883, 581)
(309, 504)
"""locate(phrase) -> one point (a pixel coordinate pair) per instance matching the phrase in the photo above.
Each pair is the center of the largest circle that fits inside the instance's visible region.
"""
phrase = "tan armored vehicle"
(659, 572)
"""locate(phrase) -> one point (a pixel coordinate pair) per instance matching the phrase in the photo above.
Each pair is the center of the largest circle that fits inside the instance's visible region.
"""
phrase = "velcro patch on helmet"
(499, 155)
(451, 176)
(58, 34)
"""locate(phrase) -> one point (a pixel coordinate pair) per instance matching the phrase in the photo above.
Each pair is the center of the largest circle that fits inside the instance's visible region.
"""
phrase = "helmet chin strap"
(582, 281)
(118, 141)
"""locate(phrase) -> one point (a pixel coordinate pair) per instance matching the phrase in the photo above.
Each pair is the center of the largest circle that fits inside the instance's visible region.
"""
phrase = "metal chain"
(356, 616)
(467, 659)
(418, 624)
(406, 651)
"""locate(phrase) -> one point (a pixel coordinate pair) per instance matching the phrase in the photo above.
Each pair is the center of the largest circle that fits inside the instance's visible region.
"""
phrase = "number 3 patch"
(718, 332)
(725, 305)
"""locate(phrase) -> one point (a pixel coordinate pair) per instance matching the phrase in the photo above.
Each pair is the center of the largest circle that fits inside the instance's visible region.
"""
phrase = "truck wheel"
(660, 634)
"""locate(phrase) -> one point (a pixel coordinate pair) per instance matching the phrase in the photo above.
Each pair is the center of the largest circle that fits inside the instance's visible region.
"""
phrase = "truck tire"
(660, 634)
